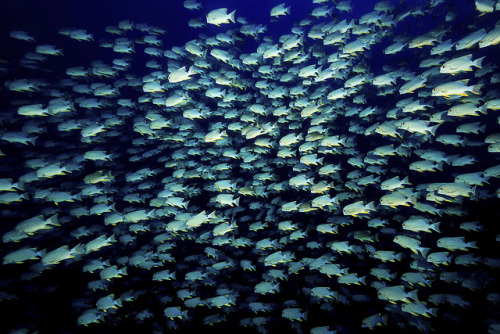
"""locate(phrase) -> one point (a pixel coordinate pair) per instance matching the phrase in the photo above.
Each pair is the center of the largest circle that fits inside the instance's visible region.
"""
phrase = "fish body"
(461, 64)
(220, 16)
(280, 10)
(358, 208)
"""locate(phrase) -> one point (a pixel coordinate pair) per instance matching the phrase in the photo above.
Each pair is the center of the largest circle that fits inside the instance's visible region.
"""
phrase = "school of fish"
(297, 187)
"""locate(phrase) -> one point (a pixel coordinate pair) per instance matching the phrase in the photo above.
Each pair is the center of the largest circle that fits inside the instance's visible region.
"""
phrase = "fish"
(280, 10)
(460, 64)
(181, 74)
(358, 208)
(456, 88)
(21, 35)
(491, 38)
(324, 161)
(220, 16)
(397, 293)
(454, 243)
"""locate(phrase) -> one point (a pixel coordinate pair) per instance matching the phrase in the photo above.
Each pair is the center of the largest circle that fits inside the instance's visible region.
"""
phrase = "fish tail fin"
(483, 109)
(435, 227)
(472, 244)
(413, 295)
(434, 128)
(231, 16)
(371, 206)
(123, 271)
(32, 140)
(237, 202)
(424, 251)
(78, 249)
(320, 160)
(440, 166)
(53, 220)
(478, 62)
(20, 185)
(406, 180)
(212, 215)
(434, 311)
(476, 89)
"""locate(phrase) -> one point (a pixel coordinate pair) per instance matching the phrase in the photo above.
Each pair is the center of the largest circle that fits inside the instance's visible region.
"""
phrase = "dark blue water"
(52, 302)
